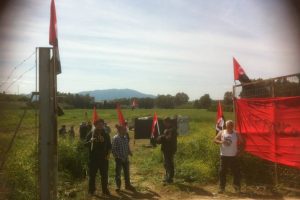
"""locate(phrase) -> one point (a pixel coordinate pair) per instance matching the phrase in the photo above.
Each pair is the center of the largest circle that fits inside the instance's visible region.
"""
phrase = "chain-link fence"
(284, 86)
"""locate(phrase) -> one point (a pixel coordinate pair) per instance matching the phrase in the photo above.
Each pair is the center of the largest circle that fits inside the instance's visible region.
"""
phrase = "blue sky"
(156, 47)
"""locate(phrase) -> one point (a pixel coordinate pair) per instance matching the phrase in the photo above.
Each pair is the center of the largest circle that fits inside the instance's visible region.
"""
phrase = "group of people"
(101, 147)
(64, 133)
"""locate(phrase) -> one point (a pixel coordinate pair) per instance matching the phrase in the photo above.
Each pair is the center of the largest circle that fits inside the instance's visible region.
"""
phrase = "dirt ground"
(187, 192)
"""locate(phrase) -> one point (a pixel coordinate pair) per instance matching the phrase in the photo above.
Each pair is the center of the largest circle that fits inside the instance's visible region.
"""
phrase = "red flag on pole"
(53, 37)
(53, 25)
(120, 116)
(95, 115)
(134, 104)
(154, 122)
(220, 118)
(239, 73)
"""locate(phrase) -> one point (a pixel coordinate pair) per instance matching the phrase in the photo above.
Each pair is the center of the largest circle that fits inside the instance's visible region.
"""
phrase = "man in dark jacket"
(168, 142)
(99, 151)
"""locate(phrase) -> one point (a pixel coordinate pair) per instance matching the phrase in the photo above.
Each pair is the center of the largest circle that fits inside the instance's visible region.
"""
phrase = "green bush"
(72, 157)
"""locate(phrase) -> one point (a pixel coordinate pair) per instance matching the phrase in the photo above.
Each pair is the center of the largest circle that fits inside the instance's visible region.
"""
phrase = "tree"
(147, 103)
(228, 98)
(165, 101)
(181, 98)
(204, 102)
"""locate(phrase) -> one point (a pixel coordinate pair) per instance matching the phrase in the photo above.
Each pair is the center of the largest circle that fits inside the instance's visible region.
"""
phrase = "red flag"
(53, 26)
(95, 115)
(120, 116)
(239, 73)
(220, 118)
(53, 37)
(154, 122)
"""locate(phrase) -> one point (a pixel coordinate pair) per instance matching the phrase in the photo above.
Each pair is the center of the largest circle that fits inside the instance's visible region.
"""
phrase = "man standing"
(168, 141)
(99, 151)
(121, 150)
(230, 148)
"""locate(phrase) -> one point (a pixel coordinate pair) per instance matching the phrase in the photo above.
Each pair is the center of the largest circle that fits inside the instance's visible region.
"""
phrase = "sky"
(155, 47)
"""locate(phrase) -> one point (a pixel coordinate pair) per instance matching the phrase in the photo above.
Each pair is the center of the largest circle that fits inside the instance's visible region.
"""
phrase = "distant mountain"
(111, 94)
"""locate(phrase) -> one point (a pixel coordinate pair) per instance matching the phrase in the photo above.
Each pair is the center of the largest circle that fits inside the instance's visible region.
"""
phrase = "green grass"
(196, 160)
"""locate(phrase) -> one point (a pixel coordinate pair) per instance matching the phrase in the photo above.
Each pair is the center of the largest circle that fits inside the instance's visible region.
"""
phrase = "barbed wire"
(21, 76)
(14, 68)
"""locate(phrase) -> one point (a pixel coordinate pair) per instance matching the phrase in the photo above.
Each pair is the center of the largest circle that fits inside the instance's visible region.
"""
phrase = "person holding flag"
(168, 141)
(220, 124)
(99, 144)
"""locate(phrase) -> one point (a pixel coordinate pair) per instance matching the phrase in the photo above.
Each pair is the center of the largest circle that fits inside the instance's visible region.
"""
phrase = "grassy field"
(196, 159)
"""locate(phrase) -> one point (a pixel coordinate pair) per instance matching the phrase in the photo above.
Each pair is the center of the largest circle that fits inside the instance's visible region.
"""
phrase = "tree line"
(281, 87)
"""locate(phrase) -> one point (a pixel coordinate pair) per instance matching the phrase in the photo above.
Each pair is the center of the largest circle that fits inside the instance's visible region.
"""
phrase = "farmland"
(196, 160)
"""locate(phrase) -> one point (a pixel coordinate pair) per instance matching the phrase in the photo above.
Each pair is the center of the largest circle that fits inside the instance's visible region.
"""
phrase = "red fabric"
(53, 36)
(154, 122)
(95, 115)
(53, 25)
(219, 113)
(271, 127)
(238, 70)
(120, 116)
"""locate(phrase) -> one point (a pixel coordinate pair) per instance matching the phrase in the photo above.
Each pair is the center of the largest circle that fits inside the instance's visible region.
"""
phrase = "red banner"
(271, 127)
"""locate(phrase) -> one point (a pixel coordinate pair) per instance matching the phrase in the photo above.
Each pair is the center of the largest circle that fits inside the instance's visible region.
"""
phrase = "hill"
(110, 94)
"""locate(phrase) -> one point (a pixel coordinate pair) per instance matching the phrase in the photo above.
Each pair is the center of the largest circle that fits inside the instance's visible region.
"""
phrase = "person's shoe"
(129, 187)
(118, 189)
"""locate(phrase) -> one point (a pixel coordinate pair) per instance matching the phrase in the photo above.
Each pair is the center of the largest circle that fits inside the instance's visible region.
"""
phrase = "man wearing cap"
(99, 145)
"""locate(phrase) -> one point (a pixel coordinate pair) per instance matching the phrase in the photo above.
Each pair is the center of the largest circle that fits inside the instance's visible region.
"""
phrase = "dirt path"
(186, 191)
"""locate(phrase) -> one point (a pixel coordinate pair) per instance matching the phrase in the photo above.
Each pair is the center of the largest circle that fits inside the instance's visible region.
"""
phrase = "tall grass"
(196, 160)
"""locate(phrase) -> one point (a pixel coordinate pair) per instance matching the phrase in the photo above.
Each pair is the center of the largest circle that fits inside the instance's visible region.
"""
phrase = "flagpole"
(158, 127)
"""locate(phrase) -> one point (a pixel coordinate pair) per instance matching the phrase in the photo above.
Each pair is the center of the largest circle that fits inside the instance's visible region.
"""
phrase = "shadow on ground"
(192, 189)
(128, 195)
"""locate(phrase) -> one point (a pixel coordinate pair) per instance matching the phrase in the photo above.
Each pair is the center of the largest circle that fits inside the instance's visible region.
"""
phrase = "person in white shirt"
(231, 145)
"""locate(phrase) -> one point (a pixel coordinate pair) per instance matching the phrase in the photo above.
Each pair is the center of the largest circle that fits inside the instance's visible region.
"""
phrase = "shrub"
(72, 157)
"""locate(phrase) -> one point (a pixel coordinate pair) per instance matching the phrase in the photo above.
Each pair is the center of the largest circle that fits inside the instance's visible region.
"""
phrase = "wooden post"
(47, 127)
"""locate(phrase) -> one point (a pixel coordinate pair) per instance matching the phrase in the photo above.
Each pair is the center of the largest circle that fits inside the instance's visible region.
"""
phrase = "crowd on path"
(100, 147)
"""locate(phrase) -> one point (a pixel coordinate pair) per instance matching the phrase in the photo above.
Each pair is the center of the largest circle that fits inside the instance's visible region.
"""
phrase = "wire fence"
(284, 86)
(15, 79)
(18, 139)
